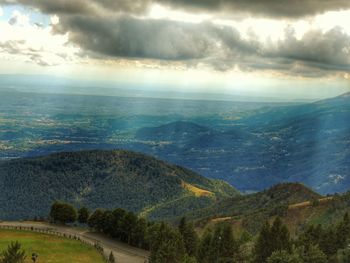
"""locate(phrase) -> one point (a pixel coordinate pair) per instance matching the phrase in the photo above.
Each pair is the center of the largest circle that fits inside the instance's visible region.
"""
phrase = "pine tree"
(166, 244)
(182, 225)
(313, 255)
(128, 224)
(343, 232)
(189, 237)
(111, 258)
(171, 250)
(13, 254)
(83, 215)
(310, 237)
(262, 246)
(229, 245)
(96, 220)
(189, 259)
(343, 256)
(283, 256)
(139, 233)
(118, 215)
(328, 242)
(155, 235)
(107, 223)
(216, 244)
(280, 236)
(203, 255)
(223, 246)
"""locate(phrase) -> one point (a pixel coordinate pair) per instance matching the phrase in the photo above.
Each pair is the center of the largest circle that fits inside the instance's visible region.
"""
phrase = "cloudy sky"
(298, 48)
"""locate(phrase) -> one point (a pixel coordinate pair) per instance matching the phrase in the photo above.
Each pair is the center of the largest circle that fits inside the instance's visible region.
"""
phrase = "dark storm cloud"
(270, 8)
(104, 34)
(153, 39)
(220, 47)
(316, 53)
(331, 48)
(57, 6)
(91, 7)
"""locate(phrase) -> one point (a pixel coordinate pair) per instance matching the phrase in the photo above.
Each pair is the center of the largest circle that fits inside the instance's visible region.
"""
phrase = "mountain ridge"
(101, 179)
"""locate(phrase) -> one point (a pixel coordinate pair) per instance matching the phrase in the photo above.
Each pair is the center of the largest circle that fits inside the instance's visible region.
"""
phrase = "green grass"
(51, 249)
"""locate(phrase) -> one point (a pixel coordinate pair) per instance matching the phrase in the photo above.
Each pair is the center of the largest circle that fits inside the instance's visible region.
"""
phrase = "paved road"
(122, 252)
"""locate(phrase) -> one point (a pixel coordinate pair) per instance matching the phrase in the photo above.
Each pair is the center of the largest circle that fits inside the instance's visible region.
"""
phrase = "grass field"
(51, 249)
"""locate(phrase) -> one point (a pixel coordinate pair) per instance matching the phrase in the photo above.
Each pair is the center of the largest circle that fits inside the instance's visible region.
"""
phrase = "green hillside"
(278, 196)
(105, 179)
(254, 209)
(65, 250)
(295, 204)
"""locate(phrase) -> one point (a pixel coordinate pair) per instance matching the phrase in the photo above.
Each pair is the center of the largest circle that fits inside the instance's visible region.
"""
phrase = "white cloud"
(18, 18)
(54, 19)
(162, 12)
(1, 12)
(22, 41)
(332, 19)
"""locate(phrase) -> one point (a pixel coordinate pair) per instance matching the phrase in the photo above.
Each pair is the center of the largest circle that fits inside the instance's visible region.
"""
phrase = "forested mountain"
(104, 179)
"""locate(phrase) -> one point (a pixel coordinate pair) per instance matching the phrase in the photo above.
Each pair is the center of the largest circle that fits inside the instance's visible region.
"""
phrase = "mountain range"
(305, 143)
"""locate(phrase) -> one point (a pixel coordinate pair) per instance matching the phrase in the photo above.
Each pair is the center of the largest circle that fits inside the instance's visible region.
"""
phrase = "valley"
(250, 145)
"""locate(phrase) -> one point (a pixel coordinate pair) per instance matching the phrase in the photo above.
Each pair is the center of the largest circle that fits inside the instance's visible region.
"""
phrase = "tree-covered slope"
(105, 179)
(273, 201)
(295, 204)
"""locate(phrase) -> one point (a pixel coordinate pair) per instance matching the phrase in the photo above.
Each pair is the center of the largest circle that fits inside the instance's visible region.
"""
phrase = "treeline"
(316, 244)
(167, 243)
(181, 243)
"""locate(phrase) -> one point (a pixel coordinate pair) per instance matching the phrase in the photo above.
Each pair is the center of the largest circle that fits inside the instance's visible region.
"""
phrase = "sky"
(297, 49)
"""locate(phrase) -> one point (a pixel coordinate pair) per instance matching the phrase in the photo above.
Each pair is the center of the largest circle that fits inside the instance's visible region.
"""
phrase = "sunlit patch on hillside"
(198, 192)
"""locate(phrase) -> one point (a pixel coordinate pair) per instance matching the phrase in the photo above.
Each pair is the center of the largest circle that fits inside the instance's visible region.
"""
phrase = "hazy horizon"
(59, 85)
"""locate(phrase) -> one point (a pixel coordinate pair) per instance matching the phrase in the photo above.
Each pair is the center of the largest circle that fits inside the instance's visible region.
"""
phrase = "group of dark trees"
(315, 244)
(219, 245)
(182, 244)
(63, 213)
(120, 224)
(166, 243)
